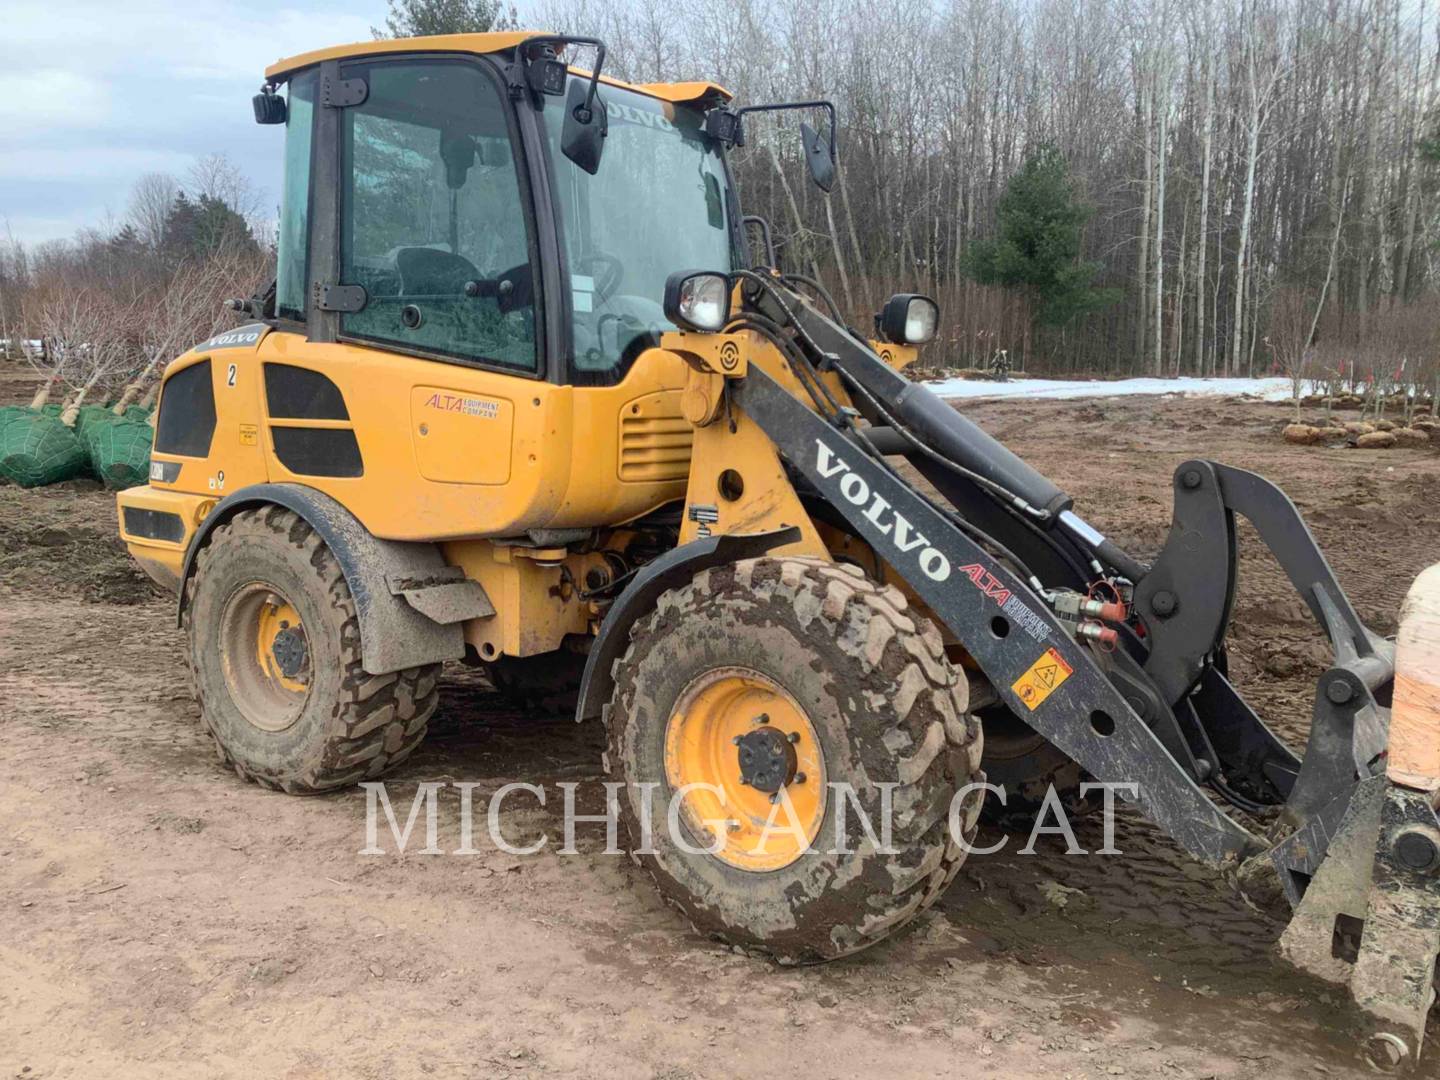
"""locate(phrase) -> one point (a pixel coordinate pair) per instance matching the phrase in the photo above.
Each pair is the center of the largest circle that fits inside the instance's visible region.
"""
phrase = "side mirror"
(819, 155)
(269, 106)
(820, 149)
(582, 139)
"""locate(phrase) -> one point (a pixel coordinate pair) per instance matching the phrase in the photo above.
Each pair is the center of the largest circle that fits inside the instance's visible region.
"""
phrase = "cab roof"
(482, 44)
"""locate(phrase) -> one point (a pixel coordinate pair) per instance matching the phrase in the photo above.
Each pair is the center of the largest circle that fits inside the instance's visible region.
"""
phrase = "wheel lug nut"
(799, 778)
(794, 736)
(738, 740)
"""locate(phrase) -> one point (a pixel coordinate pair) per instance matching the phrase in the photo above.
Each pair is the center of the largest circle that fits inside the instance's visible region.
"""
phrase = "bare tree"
(151, 200)
(1289, 338)
(217, 177)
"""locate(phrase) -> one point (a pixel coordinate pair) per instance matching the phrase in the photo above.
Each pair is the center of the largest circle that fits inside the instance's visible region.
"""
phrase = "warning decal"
(1041, 679)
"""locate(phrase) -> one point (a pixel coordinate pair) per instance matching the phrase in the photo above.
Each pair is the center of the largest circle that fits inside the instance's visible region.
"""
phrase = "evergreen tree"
(422, 18)
(196, 228)
(1430, 148)
(1041, 218)
(126, 244)
(217, 226)
(178, 238)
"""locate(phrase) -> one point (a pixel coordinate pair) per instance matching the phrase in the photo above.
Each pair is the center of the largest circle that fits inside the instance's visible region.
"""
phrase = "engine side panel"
(423, 450)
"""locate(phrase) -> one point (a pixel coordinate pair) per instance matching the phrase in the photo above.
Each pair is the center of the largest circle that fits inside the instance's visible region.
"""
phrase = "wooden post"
(1414, 759)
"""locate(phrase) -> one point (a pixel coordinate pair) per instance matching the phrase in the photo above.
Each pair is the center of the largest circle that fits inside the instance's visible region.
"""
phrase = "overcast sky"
(93, 95)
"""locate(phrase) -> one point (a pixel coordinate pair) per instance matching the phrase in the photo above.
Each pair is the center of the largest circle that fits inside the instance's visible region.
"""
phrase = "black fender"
(674, 568)
(393, 635)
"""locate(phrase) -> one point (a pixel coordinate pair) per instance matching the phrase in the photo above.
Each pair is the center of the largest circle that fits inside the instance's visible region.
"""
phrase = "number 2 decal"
(230, 375)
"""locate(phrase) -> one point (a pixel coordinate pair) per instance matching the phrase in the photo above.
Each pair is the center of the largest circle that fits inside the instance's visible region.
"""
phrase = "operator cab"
(442, 200)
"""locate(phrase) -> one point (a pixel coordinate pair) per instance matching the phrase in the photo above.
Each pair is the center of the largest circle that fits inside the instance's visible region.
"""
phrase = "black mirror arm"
(828, 106)
(594, 78)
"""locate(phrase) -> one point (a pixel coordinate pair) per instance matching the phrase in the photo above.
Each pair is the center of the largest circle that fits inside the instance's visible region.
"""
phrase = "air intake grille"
(654, 448)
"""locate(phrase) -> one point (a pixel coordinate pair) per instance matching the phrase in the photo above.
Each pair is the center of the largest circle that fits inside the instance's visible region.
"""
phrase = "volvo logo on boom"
(878, 511)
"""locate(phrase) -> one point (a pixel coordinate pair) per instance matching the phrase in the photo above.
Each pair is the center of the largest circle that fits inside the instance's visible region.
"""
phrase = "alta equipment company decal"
(995, 589)
(468, 406)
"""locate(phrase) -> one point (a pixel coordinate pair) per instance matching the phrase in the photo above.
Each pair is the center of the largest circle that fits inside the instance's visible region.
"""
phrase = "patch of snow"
(1271, 389)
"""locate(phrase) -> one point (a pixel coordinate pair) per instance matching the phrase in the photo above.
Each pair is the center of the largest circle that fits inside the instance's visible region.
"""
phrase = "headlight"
(698, 300)
(909, 319)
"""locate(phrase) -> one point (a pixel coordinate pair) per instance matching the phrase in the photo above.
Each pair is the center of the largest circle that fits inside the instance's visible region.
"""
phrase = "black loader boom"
(1121, 664)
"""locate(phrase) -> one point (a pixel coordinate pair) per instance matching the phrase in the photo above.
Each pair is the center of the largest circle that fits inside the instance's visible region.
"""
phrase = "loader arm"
(1006, 564)
(991, 611)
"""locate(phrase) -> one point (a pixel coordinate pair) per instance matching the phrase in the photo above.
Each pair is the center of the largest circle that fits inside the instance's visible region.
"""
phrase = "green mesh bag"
(36, 449)
(137, 412)
(92, 414)
(119, 452)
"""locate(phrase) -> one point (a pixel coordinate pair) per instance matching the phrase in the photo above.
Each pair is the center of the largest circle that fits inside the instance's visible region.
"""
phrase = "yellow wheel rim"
(750, 766)
(278, 623)
(265, 656)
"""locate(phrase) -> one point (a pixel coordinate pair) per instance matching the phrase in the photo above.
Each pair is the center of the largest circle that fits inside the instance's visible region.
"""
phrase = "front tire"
(859, 687)
(275, 662)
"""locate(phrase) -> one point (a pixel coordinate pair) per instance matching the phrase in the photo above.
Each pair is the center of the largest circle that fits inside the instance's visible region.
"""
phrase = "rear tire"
(869, 682)
(320, 721)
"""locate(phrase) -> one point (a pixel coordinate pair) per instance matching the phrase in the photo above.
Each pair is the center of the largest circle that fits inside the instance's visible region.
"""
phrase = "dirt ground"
(161, 918)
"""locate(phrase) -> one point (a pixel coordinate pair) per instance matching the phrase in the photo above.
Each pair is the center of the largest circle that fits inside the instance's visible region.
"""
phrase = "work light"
(909, 319)
(698, 300)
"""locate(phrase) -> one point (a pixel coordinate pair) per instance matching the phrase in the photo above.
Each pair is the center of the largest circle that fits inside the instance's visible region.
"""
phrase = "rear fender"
(393, 635)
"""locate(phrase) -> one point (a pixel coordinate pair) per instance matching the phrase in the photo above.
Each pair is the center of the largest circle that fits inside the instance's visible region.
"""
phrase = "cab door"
(433, 214)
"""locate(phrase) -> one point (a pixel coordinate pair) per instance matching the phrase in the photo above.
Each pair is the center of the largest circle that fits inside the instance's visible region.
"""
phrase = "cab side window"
(292, 270)
(433, 221)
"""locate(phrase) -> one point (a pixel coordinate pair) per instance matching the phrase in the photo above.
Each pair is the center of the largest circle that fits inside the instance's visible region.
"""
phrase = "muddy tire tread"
(874, 624)
(378, 721)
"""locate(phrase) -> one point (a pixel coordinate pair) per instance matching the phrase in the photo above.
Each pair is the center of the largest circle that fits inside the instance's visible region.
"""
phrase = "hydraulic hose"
(936, 424)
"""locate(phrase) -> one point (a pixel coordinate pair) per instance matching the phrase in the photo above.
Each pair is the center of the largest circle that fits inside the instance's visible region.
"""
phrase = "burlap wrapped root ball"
(1376, 440)
(1409, 436)
(119, 452)
(36, 449)
(1310, 435)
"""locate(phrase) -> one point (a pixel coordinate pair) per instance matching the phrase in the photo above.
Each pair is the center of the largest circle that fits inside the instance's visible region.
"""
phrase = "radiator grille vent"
(654, 448)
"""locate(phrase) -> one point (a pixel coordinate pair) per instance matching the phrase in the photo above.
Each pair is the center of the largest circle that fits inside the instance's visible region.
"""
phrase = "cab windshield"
(657, 204)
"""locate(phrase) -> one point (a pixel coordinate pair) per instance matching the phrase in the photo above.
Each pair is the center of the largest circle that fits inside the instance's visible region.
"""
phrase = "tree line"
(1118, 186)
(1213, 160)
(112, 305)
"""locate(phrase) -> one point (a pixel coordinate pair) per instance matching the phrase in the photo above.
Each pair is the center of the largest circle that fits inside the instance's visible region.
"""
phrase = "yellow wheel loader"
(524, 394)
